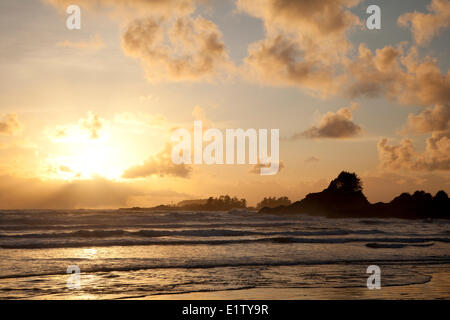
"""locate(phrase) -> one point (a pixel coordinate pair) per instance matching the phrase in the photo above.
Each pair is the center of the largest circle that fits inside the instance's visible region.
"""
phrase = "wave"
(377, 245)
(105, 268)
(138, 242)
(187, 233)
(19, 227)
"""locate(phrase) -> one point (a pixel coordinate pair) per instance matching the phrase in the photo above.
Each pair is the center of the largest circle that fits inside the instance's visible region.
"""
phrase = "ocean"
(141, 254)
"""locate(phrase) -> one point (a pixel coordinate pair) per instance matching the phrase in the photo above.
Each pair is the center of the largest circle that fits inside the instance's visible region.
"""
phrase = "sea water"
(136, 253)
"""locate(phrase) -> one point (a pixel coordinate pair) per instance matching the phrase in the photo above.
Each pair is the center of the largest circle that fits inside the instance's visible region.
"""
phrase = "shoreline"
(437, 288)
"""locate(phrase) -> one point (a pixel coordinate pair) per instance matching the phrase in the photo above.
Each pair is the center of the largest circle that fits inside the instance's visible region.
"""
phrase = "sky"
(86, 115)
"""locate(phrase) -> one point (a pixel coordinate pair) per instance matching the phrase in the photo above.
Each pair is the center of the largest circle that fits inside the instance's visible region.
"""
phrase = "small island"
(343, 198)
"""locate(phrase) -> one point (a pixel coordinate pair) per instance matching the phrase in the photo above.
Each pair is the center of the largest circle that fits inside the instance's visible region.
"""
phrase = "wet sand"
(437, 288)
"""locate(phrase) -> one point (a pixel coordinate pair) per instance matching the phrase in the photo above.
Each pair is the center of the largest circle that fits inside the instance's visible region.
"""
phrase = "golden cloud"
(314, 18)
(425, 26)
(305, 41)
(196, 51)
(430, 120)
(159, 165)
(398, 75)
(435, 157)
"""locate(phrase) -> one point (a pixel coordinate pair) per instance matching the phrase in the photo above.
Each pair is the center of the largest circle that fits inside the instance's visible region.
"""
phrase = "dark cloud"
(337, 125)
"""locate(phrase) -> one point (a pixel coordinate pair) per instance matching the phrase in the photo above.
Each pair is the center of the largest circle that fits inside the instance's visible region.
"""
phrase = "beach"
(437, 288)
(134, 254)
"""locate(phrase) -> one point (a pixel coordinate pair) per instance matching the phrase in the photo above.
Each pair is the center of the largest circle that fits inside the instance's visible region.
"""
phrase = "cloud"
(199, 114)
(395, 157)
(93, 124)
(306, 46)
(195, 51)
(425, 26)
(65, 169)
(278, 61)
(93, 127)
(305, 41)
(398, 75)
(160, 165)
(10, 125)
(315, 18)
(436, 155)
(312, 159)
(337, 125)
(256, 169)
(94, 43)
(171, 44)
(60, 133)
(403, 156)
(430, 120)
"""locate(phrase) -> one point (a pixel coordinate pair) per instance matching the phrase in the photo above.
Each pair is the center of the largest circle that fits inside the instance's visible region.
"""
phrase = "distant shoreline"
(343, 198)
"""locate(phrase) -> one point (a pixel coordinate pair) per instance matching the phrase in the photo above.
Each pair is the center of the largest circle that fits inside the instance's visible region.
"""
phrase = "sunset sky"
(86, 115)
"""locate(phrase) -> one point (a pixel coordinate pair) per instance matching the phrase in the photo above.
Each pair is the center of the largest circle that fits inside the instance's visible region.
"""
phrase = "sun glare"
(95, 160)
(88, 161)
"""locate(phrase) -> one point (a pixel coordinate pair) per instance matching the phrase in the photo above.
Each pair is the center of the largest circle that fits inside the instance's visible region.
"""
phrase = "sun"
(95, 160)
(88, 161)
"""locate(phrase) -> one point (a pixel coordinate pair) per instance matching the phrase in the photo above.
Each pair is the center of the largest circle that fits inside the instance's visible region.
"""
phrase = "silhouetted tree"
(222, 203)
(441, 196)
(346, 182)
(273, 202)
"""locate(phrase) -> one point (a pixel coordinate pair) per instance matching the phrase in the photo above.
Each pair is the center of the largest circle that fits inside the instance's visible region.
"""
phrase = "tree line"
(226, 202)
